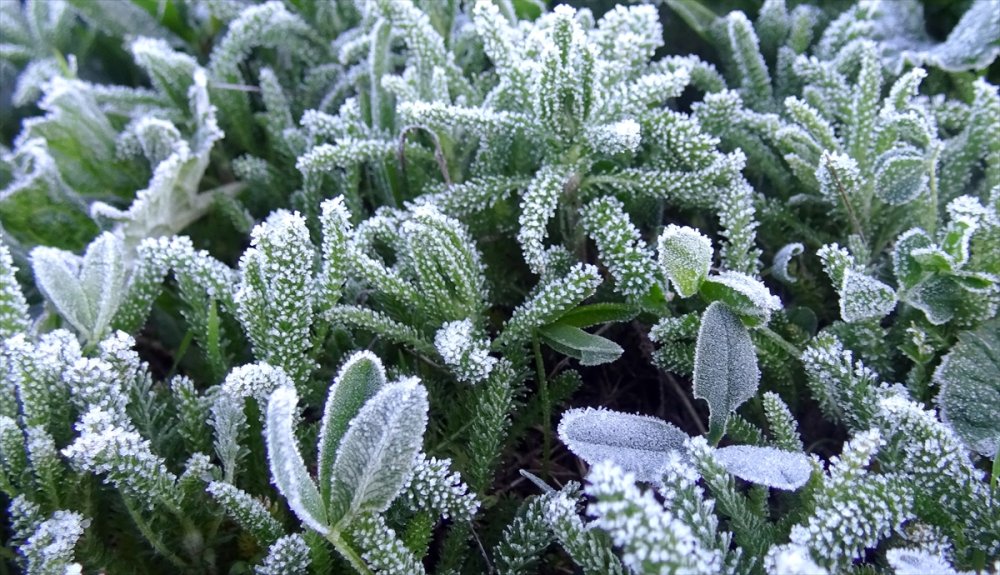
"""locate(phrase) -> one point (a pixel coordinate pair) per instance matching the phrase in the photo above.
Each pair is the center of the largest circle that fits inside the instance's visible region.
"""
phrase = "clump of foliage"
(293, 286)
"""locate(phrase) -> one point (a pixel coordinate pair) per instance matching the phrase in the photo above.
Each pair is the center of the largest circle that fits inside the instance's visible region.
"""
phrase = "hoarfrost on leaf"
(781, 260)
(725, 365)
(463, 352)
(918, 562)
(863, 297)
(686, 257)
(288, 470)
(639, 444)
(969, 379)
(766, 465)
(376, 455)
(791, 559)
(744, 295)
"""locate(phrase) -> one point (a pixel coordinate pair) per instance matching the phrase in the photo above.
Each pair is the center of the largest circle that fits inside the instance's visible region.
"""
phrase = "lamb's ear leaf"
(288, 470)
(358, 381)
(102, 278)
(768, 466)
(376, 455)
(56, 275)
(969, 378)
(725, 366)
(637, 443)
(590, 349)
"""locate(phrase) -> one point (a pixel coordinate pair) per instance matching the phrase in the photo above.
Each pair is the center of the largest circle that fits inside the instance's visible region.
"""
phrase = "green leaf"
(590, 349)
(377, 452)
(13, 307)
(969, 377)
(777, 468)
(938, 297)
(933, 260)
(742, 294)
(863, 297)
(598, 313)
(56, 275)
(900, 176)
(686, 257)
(288, 470)
(358, 381)
(725, 366)
(529, 9)
(102, 278)
(906, 267)
(638, 444)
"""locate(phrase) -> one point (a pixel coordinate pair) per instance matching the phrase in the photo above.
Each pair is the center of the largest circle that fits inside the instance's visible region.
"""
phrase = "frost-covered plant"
(417, 231)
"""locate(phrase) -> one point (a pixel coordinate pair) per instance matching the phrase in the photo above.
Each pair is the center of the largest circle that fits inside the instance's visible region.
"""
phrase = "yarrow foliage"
(309, 287)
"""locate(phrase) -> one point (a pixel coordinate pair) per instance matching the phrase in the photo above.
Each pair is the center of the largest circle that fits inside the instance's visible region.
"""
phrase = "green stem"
(348, 553)
(782, 342)
(151, 536)
(543, 393)
(996, 473)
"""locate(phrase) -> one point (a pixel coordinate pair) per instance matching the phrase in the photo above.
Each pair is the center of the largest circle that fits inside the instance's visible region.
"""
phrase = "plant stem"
(782, 342)
(348, 553)
(543, 392)
(996, 472)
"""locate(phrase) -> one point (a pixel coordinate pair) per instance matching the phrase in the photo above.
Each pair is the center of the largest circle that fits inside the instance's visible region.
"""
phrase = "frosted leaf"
(617, 138)
(743, 294)
(249, 512)
(906, 268)
(49, 549)
(335, 221)
(969, 378)
(466, 355)
(434, 487)
(621, 247)
(256, 380)
(288, 470)
(900, 175)
(289, 555)
(973, 44)
(686, 257)
(725, 365)
(589, 348)
(839, 177)
(13, 307)
(359, 379)
(791, 559)
(766, 465)
(376, 455)
(382, 550)
(653, 539)
(56, 276)
(112, 448)
(916, 562)
(639, 444)
(938, 297)
(102, 277)
(781, 260)
(863, 297)
(538, 205)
